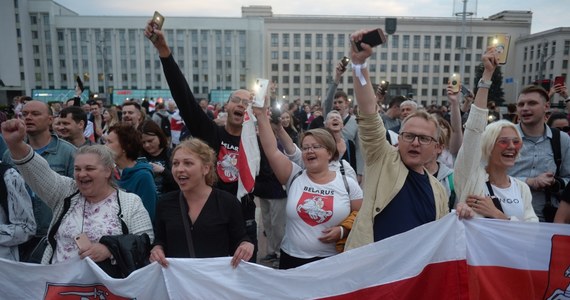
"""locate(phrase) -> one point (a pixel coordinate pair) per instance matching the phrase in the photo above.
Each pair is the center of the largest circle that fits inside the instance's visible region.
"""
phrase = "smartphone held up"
(372, 38)
(501, 43)
(455, 82)
(157, 22)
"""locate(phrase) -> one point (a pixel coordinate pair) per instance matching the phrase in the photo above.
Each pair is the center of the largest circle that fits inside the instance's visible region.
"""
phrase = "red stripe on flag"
(445, 280)
(492, 282)
(247, 180)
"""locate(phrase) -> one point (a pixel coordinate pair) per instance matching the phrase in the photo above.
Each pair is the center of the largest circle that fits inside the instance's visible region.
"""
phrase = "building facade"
(49, 45)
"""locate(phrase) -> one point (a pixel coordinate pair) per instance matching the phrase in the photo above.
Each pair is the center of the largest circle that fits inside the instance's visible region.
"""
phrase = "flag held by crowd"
(446, 259)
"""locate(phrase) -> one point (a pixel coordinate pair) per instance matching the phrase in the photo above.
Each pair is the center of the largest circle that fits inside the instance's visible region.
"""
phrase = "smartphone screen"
(372, 38)
(465, 91)
(501, 43)
(455, 82)
(559, 80)
(157, 22)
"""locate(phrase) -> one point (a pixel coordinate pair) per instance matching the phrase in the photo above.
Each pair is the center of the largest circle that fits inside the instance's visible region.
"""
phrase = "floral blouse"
(94, 219)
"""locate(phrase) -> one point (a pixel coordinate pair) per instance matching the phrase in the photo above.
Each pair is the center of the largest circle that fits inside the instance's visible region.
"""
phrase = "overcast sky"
(547, 14)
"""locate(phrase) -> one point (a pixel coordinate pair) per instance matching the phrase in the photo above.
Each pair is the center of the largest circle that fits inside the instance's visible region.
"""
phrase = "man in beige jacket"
(399, 193)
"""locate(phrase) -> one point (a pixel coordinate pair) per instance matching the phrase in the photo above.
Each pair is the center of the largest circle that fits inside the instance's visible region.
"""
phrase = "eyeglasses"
(505, 142)
(423, 139)
(313, 148)
(238, 100)
(564, 129)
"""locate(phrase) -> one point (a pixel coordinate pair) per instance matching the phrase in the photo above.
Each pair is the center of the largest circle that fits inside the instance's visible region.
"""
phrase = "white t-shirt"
(313, 207)
(511, 200)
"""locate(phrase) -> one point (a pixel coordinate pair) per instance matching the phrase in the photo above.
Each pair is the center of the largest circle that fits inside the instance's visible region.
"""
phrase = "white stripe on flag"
(518, 245)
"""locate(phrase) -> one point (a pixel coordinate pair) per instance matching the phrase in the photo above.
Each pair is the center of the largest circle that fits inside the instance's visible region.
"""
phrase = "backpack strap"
(557, 154)
(556, 149)
(342, 172)
(295, 177)
(346, 120)
(4, 190)
(452, 195)
(124, 227)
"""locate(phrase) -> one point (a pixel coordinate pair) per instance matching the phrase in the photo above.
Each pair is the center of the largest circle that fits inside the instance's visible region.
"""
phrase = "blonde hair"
(204, 152)
(422, 114)
(490, 136)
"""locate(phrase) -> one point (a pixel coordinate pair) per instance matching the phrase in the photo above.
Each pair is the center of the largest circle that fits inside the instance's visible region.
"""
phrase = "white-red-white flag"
(248, 158)
(445, 259)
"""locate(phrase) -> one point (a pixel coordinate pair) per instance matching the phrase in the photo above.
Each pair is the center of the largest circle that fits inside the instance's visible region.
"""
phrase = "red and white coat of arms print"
(315, 209)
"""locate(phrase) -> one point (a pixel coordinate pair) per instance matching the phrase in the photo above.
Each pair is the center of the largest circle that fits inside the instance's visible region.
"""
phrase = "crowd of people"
(106, 182)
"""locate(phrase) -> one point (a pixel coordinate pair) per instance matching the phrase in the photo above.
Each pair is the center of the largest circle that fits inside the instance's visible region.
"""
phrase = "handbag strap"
(184, 214)
(494, 198)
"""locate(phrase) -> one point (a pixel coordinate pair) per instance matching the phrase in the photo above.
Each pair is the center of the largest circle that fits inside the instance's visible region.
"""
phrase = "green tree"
(496, 92)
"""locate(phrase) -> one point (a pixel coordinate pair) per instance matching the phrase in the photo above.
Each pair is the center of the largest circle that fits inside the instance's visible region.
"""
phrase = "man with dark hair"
(96, 118)
(535, 164)
(72, 122)
(132, 114)
(391, 117)
(162, 118)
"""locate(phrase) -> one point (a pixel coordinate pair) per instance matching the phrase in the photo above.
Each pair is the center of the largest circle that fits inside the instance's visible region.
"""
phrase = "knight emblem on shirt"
(227, 165)
(315, 209)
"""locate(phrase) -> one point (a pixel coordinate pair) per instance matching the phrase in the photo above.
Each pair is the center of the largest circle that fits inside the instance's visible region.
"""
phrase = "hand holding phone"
(373, 38)
(82, 242)
(455, 82)
(156, 23)
(501, 43)
(383, 87)
(559, 80)
(260, 92)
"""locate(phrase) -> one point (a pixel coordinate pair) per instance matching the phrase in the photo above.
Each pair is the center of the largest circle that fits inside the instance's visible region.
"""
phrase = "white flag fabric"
(248, 158)
(446, 259)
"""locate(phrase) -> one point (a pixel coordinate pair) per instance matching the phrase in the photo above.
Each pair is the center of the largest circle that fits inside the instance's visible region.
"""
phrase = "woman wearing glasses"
(318, 199)
(488, 151)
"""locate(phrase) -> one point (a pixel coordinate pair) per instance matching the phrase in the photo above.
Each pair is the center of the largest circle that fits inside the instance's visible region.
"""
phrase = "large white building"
(46, 45)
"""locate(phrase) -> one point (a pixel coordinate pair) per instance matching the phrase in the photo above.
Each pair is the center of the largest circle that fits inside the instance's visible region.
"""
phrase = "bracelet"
(341, 232)
(358, 70)
(485, 84)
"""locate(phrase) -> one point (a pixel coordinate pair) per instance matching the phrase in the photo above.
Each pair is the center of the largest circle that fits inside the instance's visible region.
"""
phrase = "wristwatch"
(484, 84)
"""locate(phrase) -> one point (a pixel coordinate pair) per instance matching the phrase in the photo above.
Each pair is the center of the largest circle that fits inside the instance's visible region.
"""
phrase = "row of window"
(415, 68)
(542, 50)
(426, 56)
(407, 41)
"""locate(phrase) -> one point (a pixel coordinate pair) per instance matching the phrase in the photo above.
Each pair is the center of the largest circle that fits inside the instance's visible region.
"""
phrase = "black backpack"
(165, 125)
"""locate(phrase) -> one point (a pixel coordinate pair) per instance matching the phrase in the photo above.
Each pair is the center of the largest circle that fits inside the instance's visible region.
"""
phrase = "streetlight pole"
(102, 49)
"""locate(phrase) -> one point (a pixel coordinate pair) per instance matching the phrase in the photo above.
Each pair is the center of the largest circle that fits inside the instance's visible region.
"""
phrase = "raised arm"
(280, 164)
(489, 63)
(327, 106)
(456, 130)
(362, 88)
(198, 123)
